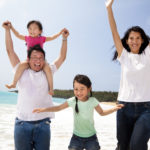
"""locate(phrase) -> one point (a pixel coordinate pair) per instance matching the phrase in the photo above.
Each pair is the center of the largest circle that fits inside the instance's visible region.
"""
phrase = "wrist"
(64, 38)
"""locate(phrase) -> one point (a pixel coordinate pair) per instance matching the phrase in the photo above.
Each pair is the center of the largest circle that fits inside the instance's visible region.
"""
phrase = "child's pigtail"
(76, 106)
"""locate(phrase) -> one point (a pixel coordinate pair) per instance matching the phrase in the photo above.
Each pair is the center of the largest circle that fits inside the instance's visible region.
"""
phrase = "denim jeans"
(32, 135)
(79, 143)
(133, 126)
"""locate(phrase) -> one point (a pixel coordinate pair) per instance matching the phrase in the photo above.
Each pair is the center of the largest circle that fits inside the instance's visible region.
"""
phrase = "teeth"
(37, 64)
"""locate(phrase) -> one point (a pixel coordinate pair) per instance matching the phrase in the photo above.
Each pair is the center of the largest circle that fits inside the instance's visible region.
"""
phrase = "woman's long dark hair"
(144, 37)
(82, 79)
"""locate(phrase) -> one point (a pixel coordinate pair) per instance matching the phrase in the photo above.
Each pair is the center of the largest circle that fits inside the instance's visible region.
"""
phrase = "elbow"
(63, 58)
(102, 114)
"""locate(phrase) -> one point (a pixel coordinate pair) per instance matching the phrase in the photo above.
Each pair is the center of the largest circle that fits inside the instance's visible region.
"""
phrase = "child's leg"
(22, 66)
(49, 76)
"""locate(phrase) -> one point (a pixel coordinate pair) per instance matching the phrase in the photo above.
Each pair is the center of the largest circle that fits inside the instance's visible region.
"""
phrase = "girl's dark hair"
(82, 79)
(144, 37)
(38, 23)
(37, 48)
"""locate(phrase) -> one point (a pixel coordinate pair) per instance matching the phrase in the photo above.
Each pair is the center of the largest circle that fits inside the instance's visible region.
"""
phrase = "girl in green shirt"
(83, 104)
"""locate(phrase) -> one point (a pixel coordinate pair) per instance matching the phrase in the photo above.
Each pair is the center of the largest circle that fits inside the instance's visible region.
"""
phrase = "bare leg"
(49, 76)
(22, 66)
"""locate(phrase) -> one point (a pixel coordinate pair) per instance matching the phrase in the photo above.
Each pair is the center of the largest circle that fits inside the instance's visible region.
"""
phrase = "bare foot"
(10, 86)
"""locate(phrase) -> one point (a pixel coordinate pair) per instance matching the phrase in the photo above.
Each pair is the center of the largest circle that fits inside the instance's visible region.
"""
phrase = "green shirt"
(83, 121)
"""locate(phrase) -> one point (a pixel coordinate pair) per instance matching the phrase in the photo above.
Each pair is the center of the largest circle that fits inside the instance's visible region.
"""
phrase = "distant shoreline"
(102, 96)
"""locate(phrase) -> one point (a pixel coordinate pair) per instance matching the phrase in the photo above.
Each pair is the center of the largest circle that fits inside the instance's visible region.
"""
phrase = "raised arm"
(63, 52)
(55, 36)
(113, 27)
(51, 109)
(14, 60)
(16, 33)
(108, 111)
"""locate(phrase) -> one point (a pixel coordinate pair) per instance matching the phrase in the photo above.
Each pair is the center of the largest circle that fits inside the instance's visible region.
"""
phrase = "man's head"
(36, 58)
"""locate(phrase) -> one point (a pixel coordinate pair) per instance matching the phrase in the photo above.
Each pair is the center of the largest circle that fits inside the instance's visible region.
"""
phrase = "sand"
(61, 129)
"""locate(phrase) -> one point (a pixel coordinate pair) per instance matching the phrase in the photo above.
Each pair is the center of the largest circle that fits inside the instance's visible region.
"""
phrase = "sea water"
(11, 98)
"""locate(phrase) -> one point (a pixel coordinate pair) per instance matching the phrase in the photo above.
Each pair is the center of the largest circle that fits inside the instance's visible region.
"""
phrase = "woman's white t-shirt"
(135, 76)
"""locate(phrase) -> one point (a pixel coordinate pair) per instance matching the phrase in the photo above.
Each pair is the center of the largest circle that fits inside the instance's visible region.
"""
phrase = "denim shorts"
(80, 143)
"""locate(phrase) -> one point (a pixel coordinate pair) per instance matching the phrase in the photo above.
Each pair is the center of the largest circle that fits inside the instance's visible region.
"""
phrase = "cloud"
(4, 2)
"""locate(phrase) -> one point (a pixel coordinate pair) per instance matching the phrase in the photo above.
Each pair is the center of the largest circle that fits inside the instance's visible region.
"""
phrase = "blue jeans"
(32, 135)
(133, 126)
(79, 143)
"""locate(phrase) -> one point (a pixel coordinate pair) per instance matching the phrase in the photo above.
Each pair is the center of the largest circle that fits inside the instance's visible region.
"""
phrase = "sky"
(89, 43)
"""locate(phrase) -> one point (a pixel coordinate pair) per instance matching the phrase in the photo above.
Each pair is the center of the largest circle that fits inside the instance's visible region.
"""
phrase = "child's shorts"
(80, 143)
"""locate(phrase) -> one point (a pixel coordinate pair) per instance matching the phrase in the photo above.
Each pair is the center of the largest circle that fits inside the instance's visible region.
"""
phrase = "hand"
(6, 25)
(109, 3)
(51, 92)
(38, 110)
(65, 33)
(63, 30)
(119, 106)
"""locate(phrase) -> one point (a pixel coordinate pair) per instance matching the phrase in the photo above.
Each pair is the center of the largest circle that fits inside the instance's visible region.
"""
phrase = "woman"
(133, 53)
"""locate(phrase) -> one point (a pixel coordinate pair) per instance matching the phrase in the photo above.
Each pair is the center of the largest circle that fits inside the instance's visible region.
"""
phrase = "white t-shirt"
(135, 76)
(33, 93)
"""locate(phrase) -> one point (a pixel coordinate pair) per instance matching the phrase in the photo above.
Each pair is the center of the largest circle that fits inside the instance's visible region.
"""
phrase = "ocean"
(11, 98)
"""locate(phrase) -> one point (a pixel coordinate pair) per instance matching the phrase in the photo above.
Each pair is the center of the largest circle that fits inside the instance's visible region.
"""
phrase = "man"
(32, 130)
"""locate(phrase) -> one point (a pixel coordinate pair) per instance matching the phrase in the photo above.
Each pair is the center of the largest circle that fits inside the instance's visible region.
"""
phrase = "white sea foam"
(61, 128)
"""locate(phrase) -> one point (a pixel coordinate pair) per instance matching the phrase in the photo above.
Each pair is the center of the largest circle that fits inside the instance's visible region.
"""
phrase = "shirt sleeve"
(43, 39)
(53, 68)
(71, 102)
(26, 38)
(15, 68)
(95, 102)
(123, 56)
(147, 50)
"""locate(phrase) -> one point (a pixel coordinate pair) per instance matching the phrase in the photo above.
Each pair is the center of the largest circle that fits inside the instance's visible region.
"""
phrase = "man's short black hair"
(37, 48)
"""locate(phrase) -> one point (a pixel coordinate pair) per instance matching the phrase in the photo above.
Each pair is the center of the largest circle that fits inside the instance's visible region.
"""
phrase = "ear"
(89, 89)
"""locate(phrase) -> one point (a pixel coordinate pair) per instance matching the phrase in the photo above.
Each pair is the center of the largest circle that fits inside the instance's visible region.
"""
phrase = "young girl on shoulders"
(34, 38)
(83, 104)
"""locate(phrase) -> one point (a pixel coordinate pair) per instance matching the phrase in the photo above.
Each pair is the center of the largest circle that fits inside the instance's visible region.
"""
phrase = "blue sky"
(90, 40)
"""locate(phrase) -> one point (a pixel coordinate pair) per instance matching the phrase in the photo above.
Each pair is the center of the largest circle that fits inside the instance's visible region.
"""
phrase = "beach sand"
(61, 129)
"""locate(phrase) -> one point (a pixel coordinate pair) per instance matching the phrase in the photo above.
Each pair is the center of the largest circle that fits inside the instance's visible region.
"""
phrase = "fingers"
(37, 110)
(6, 25)
(65, 33)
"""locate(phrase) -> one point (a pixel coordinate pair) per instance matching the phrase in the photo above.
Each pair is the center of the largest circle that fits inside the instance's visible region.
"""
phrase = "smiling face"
(34, 30)
(134, 42)
(81, 91)
(36, 60)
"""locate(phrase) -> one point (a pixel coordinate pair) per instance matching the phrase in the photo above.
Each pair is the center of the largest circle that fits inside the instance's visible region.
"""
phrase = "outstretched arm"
(63, 52)
(108, 111)
(55, 36)
(16, 33)
(51, 109)
(113, 27)
(14, 60)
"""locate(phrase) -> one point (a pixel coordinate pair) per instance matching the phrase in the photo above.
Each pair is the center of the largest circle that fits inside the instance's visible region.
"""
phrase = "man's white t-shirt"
(135, 76)
(33, 93)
